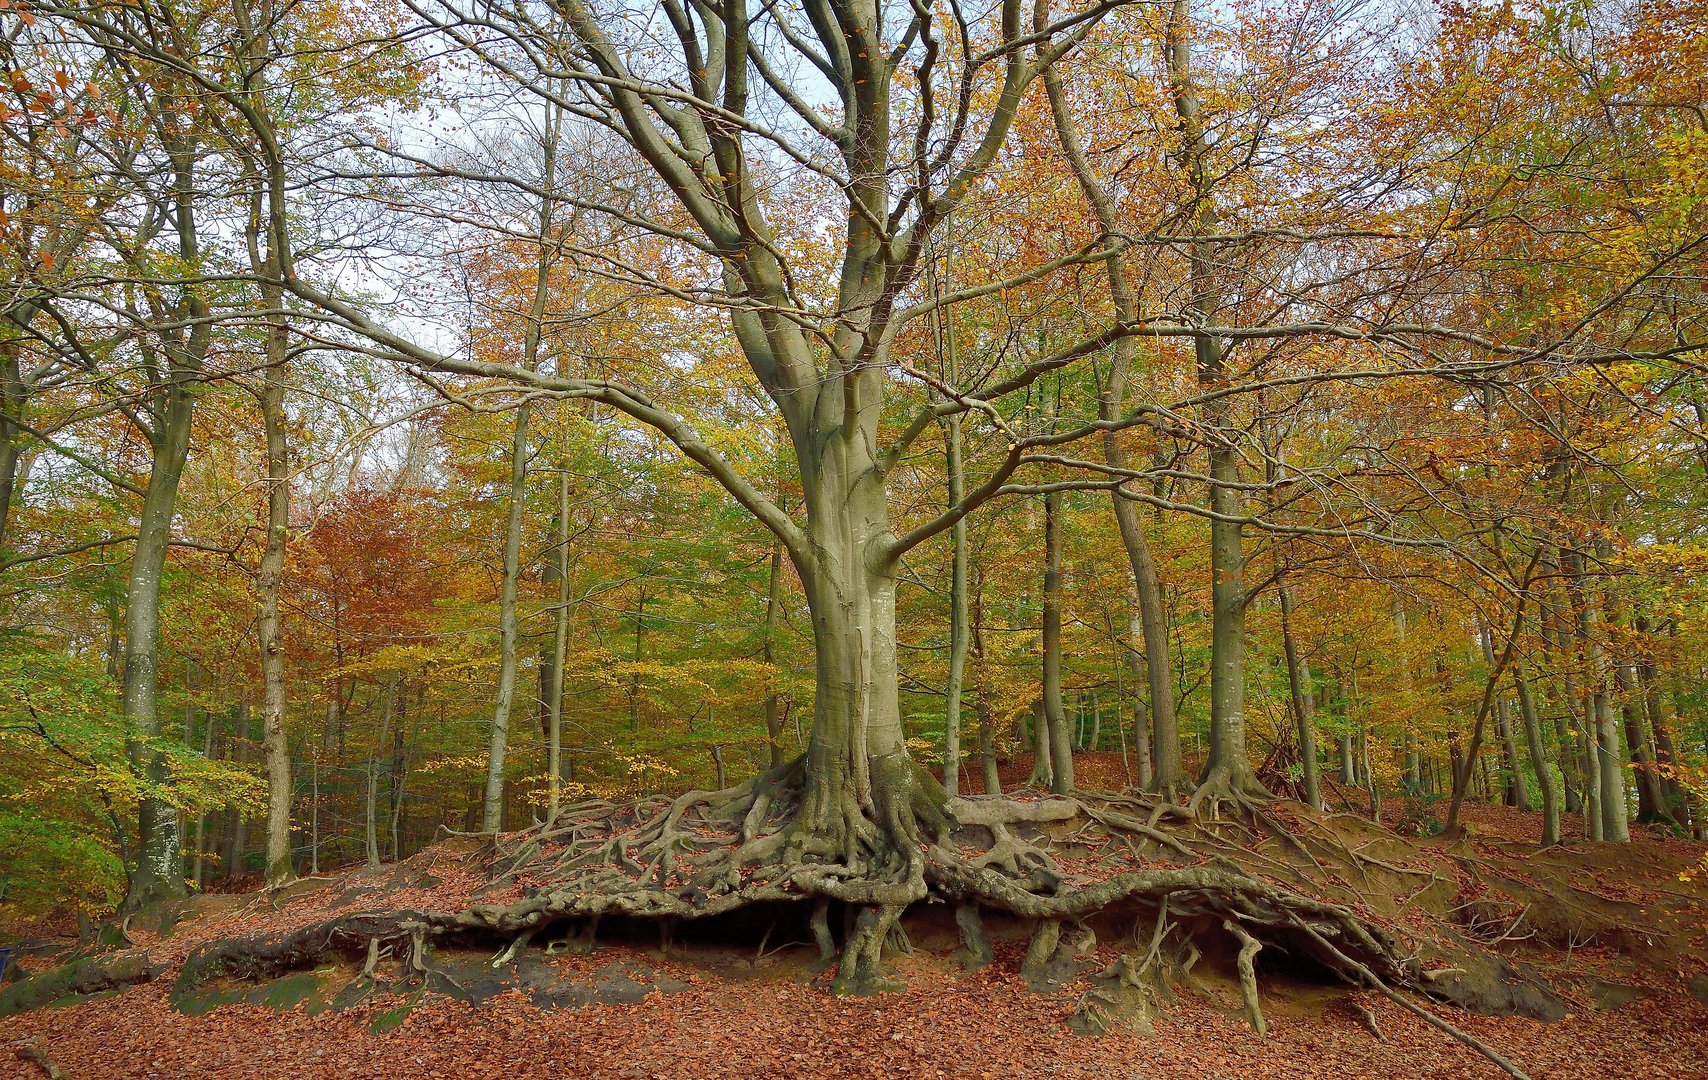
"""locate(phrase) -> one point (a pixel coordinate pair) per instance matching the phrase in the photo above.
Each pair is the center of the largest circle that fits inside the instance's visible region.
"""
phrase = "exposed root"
(1248, 950)
(30, 1050)
(1057, 862)
(973, 939)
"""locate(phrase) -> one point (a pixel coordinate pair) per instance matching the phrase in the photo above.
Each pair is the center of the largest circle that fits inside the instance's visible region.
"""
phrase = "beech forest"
(844, 538)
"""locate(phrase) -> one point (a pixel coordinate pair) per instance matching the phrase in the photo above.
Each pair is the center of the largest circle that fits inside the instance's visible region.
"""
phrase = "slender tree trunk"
(397, 774)
(1517, 793)
(957, 617)
(1228, 769)
(237, 844)
(1640, 736)
(1138, 666)
(158, 874)
(1055, 723)
(1152, 618)
(1561, 690)
(1043, 747)
(1300, 695)
(1541, 760)
(1672, 794)
(492, 815)
(13, 395)
(275, 748)
(560, 653)
(1604, 723)
(990, 778)
(388, 703)
(199, 867)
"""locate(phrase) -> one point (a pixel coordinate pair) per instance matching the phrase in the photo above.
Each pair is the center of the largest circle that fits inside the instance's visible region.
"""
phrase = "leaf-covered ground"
(1638, 1002)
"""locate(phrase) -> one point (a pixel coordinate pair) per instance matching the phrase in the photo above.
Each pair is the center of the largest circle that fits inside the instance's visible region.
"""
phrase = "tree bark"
(158, 874)
(237, 843)
(957, 617)
(1299, 694)
(492, 807)
(1152, 618)
(1055, 723)
(560, 652)
(1541, 760)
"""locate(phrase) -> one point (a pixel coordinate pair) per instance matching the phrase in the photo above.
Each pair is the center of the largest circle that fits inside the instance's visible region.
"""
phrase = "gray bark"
(957, 618)
(1167, 774)
(1299, 693)
(492, 807)
(1541, 760)
(560, 652)
(1055, 723)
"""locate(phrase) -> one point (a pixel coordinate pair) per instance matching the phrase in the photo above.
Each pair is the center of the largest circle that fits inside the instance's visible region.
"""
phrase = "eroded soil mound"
(1150, 937)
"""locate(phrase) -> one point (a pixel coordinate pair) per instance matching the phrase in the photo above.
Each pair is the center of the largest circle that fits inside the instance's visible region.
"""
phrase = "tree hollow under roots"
(1276, 879)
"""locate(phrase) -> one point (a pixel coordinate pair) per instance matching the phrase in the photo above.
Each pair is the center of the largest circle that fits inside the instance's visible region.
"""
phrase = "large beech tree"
(897, 113)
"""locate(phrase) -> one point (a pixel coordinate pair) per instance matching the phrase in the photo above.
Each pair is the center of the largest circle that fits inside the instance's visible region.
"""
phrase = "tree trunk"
(158, 874)
(1517, 793)
(1228, 769)
(1672, 793)
(1137, 666)
(397, 774)
(1152, 617)
(560, 653)
(1299, 692)
(371, 833)
(1603, 723)
(857, 761)
(13, 395)
(1055, 723)
(492, 815)
(957, 617)
(990, 778)
(275, 748)
(1541, 761)
(237, 844)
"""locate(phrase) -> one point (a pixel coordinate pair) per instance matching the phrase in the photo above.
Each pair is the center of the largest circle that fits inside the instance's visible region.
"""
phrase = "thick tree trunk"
(492, 808)
(857, 763)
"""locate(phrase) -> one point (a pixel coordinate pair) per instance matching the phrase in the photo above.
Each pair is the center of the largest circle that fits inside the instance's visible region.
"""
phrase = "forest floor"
(748, 997)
